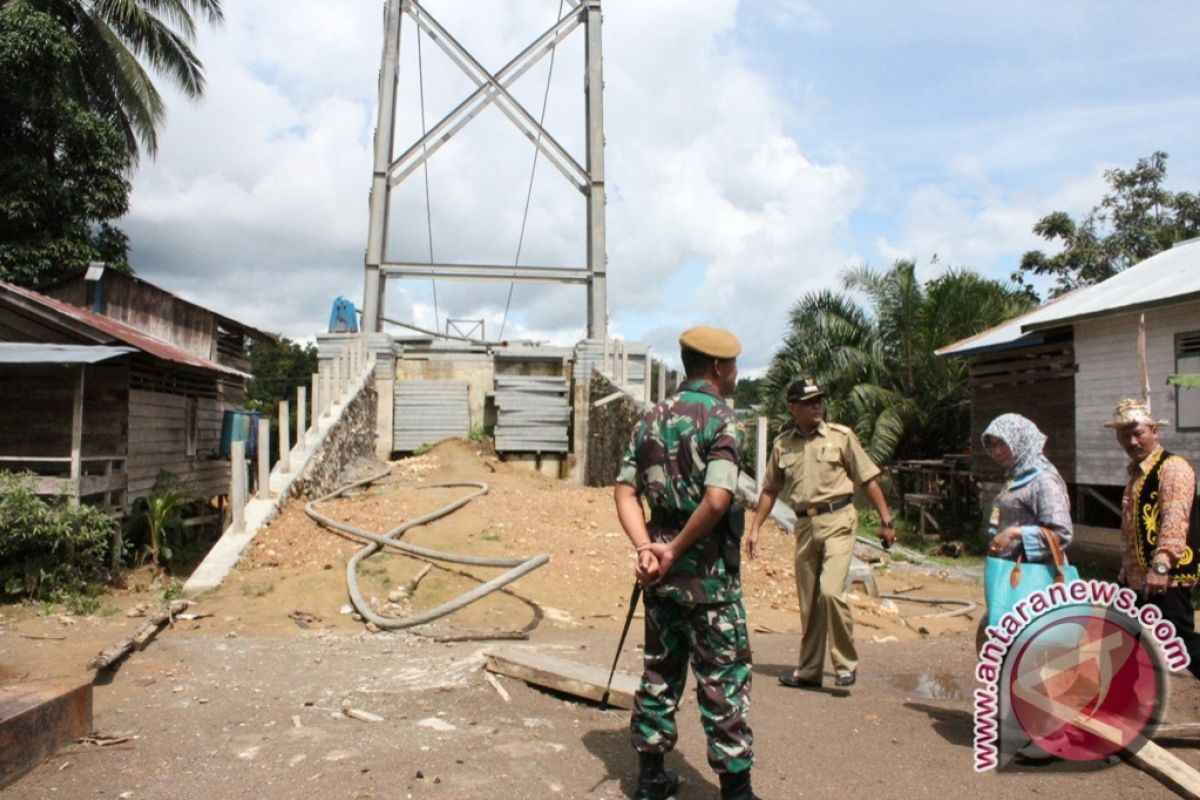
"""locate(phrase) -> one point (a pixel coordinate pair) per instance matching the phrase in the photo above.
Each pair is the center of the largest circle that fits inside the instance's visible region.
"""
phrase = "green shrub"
(49, 549)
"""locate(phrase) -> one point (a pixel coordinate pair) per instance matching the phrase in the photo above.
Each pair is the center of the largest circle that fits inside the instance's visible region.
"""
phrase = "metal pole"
(760, 454)
(237, 485)
(604, 361)
(662, 381)
(285, 444)
(385, 129)
(594, 101)
(264, 458)
(624, 363)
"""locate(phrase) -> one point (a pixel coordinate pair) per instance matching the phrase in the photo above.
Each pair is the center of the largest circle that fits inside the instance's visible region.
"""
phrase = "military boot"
(736, 786)
(654, 782)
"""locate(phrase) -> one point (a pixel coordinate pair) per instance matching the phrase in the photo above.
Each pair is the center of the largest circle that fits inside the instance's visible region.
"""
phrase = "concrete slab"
(38, 718)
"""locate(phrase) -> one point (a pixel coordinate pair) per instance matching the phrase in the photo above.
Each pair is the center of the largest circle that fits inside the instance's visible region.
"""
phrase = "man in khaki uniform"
(814, 467)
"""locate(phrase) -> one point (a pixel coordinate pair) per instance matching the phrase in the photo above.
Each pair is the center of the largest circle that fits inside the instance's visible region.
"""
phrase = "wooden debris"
(141, 637)
(1179, 730)
(362, 716)
(412, 585)
(189, 616)
(303, 619)
(1167, 768)
(102, 741)
(482, 636)
(500, 690)
(565, 676)
(41, 638)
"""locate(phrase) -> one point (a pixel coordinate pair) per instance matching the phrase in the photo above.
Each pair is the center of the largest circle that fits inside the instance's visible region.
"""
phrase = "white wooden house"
(1067, 364)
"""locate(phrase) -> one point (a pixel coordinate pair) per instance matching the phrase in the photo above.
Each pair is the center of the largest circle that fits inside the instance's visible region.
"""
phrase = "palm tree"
(878, 366)
(115, 37)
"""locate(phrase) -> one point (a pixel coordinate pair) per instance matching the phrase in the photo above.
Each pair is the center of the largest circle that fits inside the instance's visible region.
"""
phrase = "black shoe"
(662, 786)
(654, 782)
(845, 679)
(792, 682)
(736, 786)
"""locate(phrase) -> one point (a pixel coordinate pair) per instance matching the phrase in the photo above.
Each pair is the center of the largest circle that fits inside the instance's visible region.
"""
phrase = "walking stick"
(633, 601)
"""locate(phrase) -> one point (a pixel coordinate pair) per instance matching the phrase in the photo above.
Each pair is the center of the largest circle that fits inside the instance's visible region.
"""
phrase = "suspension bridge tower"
(490, 87)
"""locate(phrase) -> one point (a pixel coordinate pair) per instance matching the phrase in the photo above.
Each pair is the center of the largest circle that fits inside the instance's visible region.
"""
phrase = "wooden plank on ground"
(1178, 730)
(1168, 769)
(562, 675)
(38, 718)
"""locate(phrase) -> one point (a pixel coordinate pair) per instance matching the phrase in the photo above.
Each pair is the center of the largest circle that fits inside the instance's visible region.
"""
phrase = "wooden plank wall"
(150, 310)
(1037, 382)
(1106, 350)
(158, 442)
(35, 410)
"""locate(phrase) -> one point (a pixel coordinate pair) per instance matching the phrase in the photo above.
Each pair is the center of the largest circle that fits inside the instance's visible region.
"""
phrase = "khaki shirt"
(804, 470)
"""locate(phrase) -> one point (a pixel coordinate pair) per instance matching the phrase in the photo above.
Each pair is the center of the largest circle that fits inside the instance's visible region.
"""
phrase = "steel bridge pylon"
(390, 170)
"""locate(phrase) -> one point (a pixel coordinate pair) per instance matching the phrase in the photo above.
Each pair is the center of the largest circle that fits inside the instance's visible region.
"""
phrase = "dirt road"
(250, 701)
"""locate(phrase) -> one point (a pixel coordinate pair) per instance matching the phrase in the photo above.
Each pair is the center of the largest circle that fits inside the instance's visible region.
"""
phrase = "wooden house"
(1067, 364)
(112, 381)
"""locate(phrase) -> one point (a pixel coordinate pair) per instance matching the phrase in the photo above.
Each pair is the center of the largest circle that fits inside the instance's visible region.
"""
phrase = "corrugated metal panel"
(533, 414)
(426, 412)
(34, 353)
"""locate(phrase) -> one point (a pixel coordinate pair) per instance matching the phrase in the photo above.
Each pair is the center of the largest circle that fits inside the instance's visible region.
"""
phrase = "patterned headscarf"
(1024, 440)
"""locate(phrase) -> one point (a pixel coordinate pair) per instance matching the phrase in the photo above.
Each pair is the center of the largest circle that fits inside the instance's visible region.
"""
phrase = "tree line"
(871, 345)
(77, 107)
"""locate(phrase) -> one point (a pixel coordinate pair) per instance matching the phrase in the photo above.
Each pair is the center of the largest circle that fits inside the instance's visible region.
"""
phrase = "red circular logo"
(1084, 687)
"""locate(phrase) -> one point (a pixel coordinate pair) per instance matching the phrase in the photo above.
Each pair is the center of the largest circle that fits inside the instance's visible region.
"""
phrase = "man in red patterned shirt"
(1160, 540)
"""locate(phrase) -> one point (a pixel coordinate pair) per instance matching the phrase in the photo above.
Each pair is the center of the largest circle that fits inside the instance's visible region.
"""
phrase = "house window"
(191, 425)
(1187, 362)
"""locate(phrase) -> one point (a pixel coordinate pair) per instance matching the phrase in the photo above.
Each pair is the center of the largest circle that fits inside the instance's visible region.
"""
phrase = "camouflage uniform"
(682, 445)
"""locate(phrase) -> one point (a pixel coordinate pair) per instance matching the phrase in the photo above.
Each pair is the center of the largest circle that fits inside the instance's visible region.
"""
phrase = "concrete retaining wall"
(351, 439)
(608, 430)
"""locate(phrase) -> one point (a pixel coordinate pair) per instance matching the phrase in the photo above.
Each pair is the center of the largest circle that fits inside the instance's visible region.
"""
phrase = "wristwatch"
(1160, 568)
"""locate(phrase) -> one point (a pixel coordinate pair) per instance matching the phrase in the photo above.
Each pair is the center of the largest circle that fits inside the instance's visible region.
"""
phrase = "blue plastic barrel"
(239, 425)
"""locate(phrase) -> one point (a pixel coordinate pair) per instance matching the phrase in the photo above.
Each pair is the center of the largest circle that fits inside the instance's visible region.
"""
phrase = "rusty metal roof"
(107, 328)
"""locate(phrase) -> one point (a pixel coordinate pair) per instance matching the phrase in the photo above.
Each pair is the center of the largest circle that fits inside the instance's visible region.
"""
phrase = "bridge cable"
(532, 173)
(425, 168)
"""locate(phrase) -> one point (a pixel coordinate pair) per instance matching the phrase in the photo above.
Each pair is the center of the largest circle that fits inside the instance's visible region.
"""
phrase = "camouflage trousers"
(713, 637)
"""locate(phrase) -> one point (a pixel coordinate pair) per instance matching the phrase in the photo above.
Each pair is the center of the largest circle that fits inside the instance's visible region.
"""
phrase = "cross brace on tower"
(490, 88)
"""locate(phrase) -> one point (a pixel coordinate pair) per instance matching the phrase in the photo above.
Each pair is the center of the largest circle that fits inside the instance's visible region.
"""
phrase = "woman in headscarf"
(1034, 501)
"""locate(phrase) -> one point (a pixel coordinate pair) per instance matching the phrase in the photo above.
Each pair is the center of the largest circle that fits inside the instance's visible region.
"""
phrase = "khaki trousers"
(824, 545)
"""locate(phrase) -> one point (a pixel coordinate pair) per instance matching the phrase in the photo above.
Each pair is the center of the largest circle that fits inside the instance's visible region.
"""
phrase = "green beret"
(715, 342)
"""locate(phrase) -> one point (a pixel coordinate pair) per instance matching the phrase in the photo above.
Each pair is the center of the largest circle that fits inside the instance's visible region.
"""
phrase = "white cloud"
(257, 203)
(979, 224)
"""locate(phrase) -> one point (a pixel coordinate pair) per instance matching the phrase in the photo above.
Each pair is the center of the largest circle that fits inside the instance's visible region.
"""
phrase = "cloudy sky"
(755, 149)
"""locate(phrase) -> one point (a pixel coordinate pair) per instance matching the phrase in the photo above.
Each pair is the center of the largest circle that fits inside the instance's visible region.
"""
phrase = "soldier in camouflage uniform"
(683, 459)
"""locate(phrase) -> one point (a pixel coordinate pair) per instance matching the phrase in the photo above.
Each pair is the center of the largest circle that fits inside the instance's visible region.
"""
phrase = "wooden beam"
(561, 675)
(1167, 768)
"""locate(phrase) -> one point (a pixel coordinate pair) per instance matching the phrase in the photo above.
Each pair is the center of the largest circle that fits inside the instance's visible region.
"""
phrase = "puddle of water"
(929, 686)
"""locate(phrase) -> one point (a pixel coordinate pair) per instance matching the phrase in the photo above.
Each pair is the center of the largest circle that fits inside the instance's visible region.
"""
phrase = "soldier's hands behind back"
(647, 570)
